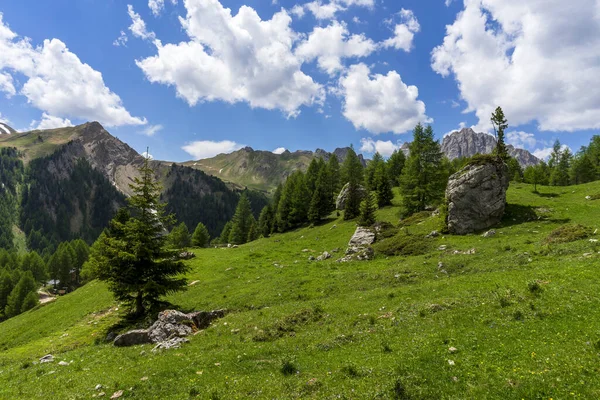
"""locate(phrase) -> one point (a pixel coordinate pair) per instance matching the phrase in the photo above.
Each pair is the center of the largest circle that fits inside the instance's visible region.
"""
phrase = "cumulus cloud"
(404, 32)
(156, 6)
(138, 26)
(50, 122)
(385, 148)
(328, 45)
(6, 85)
(533, 58)
(151, 130)
(521, 139)
(121, 40)
(323, 10)
(279, 150)
(58, 83)
(239, 58)
(380, 103)
(207, 149)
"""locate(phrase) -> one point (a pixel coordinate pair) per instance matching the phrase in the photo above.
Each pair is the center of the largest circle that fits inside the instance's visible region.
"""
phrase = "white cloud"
(6, 85)
(448, 2)
(138, 26)
(151, 130)
(385, 148)
(404, 33)
(156, 6)
(58, 83)
(207, 149)
(332, 43)
(234, 59)
(544, 153)
(380, 103)
(50, 122)
(536, 59)
(327, 10)
(121, 40)
(298, 11)
(279, 150)
(521, 139)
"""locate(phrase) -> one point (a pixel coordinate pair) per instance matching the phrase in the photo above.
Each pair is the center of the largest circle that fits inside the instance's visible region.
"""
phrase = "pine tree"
(555, 155)
(423, 178)
(395, 165)
(6, 287)
(499, 123)
(333, 171)
(31, 300)
(253, 232)
(582, 168)
(180, 238)
(265, 221)
(242, 221)
(34, 263)
(82, 254)
(312, 174)
(370, 170)
(560, 173)
(320, 205)
(514, 170)
(133, 257)
(17, 296)
(225, 233)
(367, 211)
(353, 170)
(201, 237)
(383, 186)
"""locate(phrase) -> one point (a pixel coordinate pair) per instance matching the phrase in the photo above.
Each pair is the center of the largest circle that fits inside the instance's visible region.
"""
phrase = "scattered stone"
(433, 234)
(362, 237)
(477, 197)
(186, 255)
(311, 258)
(202, 319)
(472, 251)
(440, 265)
(452, 350)
(324, 256)
(593, 240)
(336, 250)
(305, 250)
(588, 254)
(333, 227)
(193, 283)
(117, 394)
(144, 378)
(588, 197)
(451, 362)
(235, 246)
(98, 387)
(442, 247)
(173, 343)
(489, 233)
(132, 338)
(101, 394)
(340, 203)
(168, 325)
(47, 359)
(110, 336)
(228, 245)
(63, 363)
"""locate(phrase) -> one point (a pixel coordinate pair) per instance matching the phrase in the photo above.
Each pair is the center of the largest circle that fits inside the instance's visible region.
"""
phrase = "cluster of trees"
(565, 168)
(11, 175)
(22, 275)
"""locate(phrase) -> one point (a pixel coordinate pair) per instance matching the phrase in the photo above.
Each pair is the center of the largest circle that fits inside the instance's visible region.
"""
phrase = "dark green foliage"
(382, 186)
(225, 233)
(11, 175)
(403, 244)
(288, 368)
(322, 201)
(375, 163)
(367, 211)
(353, 171)
(294, 203)
(582, 168)
(200, 237)
(515, 172)
(35, 264)
(560, 163)
(423, 179)
(180, 238)
(265, 221)
(395, 165)
(500, 124)
(569, 233)
(242, 222)
(333, 171)
(16, 299)
(132, 256)
(537, 175)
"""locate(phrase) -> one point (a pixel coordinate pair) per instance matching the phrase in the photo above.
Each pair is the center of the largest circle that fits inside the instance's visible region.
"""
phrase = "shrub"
(288, 368)
(569, 233)
(403, 244)
(535, 287)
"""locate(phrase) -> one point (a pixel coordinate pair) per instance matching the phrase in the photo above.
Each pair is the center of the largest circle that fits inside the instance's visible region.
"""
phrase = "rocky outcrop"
(359, 246)
(340, 202)
(170, 329)
(476, 197)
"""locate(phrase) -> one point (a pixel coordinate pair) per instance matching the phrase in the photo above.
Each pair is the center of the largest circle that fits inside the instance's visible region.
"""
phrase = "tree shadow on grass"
(547, 195)
(516, 214)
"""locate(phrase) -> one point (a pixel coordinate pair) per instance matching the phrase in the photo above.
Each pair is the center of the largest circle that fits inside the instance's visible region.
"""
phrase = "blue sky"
(190, 78)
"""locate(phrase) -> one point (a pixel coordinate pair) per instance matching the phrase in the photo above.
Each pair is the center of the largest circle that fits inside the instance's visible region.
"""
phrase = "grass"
(523, 314)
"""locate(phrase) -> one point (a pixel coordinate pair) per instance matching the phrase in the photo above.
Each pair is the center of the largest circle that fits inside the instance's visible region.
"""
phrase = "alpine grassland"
(512, 316)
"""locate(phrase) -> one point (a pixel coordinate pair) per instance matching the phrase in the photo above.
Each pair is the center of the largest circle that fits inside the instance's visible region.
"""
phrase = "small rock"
(305, 250)
(311, 258)
(132, 338)
(433, 234)
(98, 387)
(593, 240)
(47, 359)
(489, 233)
(101, 394)
(144, 378)
(186, 255)
(442, 247)
(333, 227)
(324, 256)
(117, 394)
(588, 254)
(440, 265)
(235, 246)
(588, 197)
(451, 362)
(452, 350)
(63, 363)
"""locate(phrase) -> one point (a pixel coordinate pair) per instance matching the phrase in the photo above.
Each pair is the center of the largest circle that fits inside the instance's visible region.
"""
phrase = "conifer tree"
(82, 254)
(242, 221)
(253, 232)
(201, 237)
(180, 238)
(514, 169)
(225, 233)
(6, 287)
(367, 211)
(423, 179)
(34, 263)
(383, 186)
(500, 123)
(333, 171)
(320, 205)
(395, 165)
(265, 221)
(353, 170)
(534, 174)
(582, 168)
(312, 174)
(560, 173)
(370, 170)
(132, 257)
(26, 285)
(275, 207)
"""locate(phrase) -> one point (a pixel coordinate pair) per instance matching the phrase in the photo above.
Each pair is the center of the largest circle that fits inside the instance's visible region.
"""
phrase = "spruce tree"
(201, 237)
(582, 168)
(514, 169)
(225, 233)
(242, 221)
(253, 232)
(371, 169)
(500, 124)
(383, 186)
(26, 285)
(312, 174)
(34, 263)
(320, 205)
(180, 238)
(367, 211)
(560, 173)
(353, 171)
(132, 257)
(265, 221)
(333, 171)
(6, 287)
(423, 178)
(395, 165)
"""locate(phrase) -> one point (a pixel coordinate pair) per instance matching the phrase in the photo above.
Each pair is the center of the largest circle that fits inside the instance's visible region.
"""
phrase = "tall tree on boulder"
(132, 257)
(500, 124)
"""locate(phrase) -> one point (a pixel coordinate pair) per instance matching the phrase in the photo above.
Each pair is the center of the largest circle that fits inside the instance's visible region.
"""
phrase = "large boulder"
(132, 338)
(359, 246)
(340, 202)
(170, 323)
(476, 197)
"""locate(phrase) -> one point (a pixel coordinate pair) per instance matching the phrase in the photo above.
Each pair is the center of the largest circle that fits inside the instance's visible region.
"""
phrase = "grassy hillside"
(40, 143)
(522, 314)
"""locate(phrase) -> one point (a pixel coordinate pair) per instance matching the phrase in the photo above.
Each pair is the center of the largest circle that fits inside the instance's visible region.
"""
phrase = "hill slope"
(261, 170)
(522, 315)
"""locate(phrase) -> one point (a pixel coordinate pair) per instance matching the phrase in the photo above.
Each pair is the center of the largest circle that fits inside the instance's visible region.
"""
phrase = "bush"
(403, 244)
(569, 233)
(288, 368)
